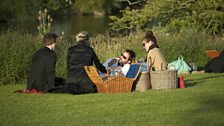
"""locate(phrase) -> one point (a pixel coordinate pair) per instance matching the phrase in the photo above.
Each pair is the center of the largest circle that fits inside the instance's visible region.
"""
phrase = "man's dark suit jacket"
(42, 73)
(77, 79)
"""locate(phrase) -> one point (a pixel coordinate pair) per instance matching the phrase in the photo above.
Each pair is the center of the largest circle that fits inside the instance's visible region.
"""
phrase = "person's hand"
(113, 61)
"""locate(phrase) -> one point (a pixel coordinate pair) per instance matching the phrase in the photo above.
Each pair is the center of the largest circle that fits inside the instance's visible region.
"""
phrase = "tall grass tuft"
(106, 46)
(15, 55)
(45, 22)
(191, 44)
(62, 46)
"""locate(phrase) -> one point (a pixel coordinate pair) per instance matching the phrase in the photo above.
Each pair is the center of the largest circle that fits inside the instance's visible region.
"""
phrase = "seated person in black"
(216, 65)
(41, 76)
(80, 55)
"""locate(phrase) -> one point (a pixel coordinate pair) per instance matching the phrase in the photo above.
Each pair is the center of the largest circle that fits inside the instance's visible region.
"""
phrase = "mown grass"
(200, 104)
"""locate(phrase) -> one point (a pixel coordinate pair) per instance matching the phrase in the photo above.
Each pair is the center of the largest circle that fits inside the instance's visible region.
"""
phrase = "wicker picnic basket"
(166, 79)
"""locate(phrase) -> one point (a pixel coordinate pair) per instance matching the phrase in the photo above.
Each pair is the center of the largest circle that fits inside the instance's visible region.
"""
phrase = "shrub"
(106, 46)
(15, 55)
(61, 51)
(191, 44)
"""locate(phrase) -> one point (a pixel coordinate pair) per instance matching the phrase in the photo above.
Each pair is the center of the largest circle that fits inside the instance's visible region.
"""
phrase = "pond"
(75, 23)
(70, 24)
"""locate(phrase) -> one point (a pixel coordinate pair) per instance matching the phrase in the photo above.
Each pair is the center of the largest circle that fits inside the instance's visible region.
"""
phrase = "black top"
(42, 72)
(79, 56)
(216, 65)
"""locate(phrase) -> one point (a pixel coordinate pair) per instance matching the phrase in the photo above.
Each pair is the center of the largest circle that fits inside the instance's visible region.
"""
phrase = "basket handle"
(172, 66)
(162, 67)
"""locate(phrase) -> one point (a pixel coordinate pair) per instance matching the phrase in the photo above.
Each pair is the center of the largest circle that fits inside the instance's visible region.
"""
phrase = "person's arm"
(51, 70)
(149, 63)
(97, 63)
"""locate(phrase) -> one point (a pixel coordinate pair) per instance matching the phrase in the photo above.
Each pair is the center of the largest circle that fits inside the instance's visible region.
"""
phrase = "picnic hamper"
(143, 81)
(166, 79)
(114, 84)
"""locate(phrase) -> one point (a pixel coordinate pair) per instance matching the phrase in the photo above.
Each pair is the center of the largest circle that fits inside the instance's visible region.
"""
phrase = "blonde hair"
(83, 35)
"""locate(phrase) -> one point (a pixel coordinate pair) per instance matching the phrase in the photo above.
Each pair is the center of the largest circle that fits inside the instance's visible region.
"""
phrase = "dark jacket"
(216, 65)
(42, 72)
(79, 56)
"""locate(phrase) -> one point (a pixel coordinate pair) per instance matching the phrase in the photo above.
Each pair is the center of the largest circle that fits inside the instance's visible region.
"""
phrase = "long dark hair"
(131, 54)
(148, 36)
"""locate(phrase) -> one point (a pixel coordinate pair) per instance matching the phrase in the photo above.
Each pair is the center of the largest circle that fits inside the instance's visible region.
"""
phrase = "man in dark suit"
(42, 72)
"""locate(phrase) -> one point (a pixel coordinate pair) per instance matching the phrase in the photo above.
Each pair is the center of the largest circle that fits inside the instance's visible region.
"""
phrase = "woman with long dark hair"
(155, 57)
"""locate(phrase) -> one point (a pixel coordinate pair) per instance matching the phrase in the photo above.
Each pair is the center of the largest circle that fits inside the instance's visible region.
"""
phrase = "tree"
(173, 14)
(27, 9)
(16, 10)
(56, 5)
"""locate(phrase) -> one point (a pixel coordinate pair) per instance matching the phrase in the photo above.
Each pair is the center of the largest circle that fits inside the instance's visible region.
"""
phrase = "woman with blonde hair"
(155, 57)
(80, 55)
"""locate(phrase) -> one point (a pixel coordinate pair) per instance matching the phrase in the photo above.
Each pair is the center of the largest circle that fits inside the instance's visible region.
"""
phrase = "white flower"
(39, 18)
(62, 33)
(45, 10)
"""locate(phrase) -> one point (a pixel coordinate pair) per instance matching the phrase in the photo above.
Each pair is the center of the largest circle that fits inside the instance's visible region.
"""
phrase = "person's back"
(157, 59)
(79, 56)
(216, 65)
(41, 76)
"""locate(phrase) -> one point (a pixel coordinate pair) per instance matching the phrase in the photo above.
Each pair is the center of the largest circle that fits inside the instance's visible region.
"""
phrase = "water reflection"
(74, 23)
(70, 24)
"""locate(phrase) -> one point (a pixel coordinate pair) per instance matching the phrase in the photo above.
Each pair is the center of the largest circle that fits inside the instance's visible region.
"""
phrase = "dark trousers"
(72, 89)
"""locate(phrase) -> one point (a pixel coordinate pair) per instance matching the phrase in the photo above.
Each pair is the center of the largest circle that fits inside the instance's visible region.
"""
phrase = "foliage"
(15, 55)
(86, 7)
(24, 10)
(56, 5)
(27, 9)
(200, 104)
(62, 45)
(129, 22)
(89, 6)
(18, 47)
(106, 46)
(16, 10)
(174, 14)
(191, 44)
(45, 22)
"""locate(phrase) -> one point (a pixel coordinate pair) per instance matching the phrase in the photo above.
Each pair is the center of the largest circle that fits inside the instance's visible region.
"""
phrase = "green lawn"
(200, 104)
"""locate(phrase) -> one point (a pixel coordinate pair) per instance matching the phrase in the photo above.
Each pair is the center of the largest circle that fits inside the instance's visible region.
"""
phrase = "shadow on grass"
(193, 82)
